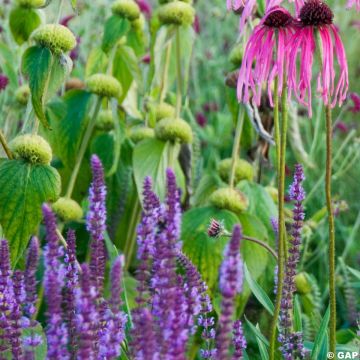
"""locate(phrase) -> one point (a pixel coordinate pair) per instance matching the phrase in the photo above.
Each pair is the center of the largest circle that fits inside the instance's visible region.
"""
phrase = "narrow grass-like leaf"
(297, 314)
(321, 334)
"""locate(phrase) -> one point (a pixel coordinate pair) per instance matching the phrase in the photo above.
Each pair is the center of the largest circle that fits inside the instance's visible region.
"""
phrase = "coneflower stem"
(332, 291)
(83, 146)
(236, 145)
(178, 74)
(282, 237)
(276, 123)
(5, 145)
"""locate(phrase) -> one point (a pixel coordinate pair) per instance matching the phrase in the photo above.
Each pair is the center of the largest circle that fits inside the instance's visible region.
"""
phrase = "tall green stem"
(332, 291)
(282, 237)
(5, 145)
(178, 74)
(236, 146)
(164, 80)
(83, 146)
(276, 123)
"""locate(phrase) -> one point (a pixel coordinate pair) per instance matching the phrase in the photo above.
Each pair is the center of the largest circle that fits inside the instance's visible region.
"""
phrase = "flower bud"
(22, 94)
(215, 228)
(236, 55)
(243, 170)
(104, 85)
(31, 3)
(273, 192)
(105, 121)
(229, 199)
(67, 209)
(57, 38)
(164, 110)
(170, 129)
(176, 13)
(31, 148)
(232, 79)
(139, 133)
(128, 9)
(303, 286)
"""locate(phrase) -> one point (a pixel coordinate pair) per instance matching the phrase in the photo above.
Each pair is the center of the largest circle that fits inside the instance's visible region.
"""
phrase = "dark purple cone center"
(277, 19)
(316, 13)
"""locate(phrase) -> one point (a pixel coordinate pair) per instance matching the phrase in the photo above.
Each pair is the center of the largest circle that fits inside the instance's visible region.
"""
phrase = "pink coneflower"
(196, 25)
(145, 7)
(355, 98)
(316, 19)
(351, 3)
(268, 40)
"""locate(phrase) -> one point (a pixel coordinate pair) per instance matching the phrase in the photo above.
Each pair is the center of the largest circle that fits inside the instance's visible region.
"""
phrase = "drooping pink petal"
(351, 3)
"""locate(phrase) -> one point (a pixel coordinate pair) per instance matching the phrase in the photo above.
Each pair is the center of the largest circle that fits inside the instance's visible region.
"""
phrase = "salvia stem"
(83, 146)
(282, 235)
(5, 146)
(178, 73)
(332, 291)
(236, 145)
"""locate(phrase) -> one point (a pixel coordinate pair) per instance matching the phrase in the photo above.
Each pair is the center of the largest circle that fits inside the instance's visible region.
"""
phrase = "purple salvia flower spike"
(87, 317)
(96, 223)
(239, 340)
(71, 278)
(231, 281)
(56, 331)
(292, 342)
(32, 260)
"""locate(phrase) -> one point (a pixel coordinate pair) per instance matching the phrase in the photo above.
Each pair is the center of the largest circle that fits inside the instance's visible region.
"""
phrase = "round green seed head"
(105, 121)
(128, 9)
(302, 283)
(164, 110)
(243, 170)
(139, 133)
(176, 13)
(22, 94)
(170, 129)
(104, 85)
(273, 192)
(229, 199)
(236, 55)
(67, 209)
(139, 24)
(57, 38)
(31, 148)
(31, 3)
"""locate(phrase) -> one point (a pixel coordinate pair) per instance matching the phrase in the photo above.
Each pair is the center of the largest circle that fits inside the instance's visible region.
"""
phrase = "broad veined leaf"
(115, 28)
(46, 73)
(150, 158)
(40, 351)
(205, 252)
(23, 21)
(96, 62)
(23, 189)
(104, 145)
(136, 40)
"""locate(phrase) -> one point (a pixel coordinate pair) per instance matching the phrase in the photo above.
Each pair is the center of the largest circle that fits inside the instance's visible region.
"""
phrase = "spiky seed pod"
(170, 129)
(138, 25)
(236, 55)
(302, 284)
(30, 3)
(164, 110)
(273, 192)
(67, 209)
(31, 148)
(176, 13)
(229, 199)
(105, 121)
(128, 9)
(139, 133)
(57, 38)
(22, 94)
(243, 170)
(104, 85)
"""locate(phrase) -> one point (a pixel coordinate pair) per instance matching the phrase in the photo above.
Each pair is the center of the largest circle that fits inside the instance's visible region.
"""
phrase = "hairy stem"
(282, 235)
(236, 146)
(332, 291)
(178, 74)
(276, 123)
(83, 146)
(5, 145)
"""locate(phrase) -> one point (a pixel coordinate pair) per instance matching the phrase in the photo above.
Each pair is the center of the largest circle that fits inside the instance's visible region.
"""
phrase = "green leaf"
(297, 314)
(115, 28)
(321, 335)
(150, 158)
(96, 62)
(40, 351)
(46, 73)
(262, 347)
(73, 4)
(257, 332)
(103, 145)
(205, 252)
(24, 188)
(258, 292)
(23, 21)
(9, 64)
(355, 272)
